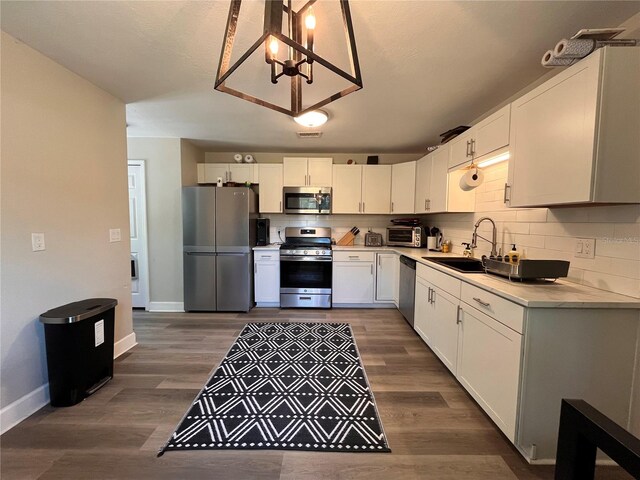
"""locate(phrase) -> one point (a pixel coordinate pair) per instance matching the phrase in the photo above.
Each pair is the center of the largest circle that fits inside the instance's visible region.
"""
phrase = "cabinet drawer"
(353, 256)
(266, 256)
(506, 312)
(441, 280)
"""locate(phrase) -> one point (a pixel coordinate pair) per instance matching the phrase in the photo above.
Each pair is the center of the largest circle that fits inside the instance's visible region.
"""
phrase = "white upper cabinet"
(403, 187)
(575, 138)
(483, 138)
(270, 180)
(309, 172)
(361, 189)
(376, 189)
(347, 189)
(431, 182)
(227, 172)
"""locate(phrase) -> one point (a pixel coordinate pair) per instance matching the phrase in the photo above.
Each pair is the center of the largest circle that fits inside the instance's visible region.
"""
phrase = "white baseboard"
(166, 307)
(363, 305)
(14, 413)
(124, 344)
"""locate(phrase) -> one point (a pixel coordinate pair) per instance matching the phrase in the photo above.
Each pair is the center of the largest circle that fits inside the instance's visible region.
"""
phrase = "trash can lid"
(77, 311)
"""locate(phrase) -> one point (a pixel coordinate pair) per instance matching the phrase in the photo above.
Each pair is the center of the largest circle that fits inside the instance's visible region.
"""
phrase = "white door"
(423, 183)
(320, 172)
(267, 281)
(445, 327)
(213, 171)
(241, 172)
(387, 277)
(376, 189)
(270, 180)
(295, 171)
(347, 189)
(438, 189)
(403, 187)
(138, 232)
(352, 282)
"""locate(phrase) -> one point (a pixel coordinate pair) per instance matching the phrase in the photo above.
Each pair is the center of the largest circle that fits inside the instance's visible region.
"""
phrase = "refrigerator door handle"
(202, 254)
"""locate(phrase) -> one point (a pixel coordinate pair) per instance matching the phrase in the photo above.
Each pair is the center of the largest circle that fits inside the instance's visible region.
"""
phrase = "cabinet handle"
(280, 206)
(354, 256)
(359, 207)
(309, 183)
(467, 153)
(425, 204)
(506, 198)
(304, 298)
(379, 260)
(392, 206)
(473, 147)
(362, 207)
(433, 296)
(484, 304)
(265, 256)
(458, 320)
(428, 205)
(429, 295)
(372, 269)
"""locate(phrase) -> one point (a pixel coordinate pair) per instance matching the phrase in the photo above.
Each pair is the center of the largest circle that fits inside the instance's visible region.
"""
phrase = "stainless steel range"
(305, 268)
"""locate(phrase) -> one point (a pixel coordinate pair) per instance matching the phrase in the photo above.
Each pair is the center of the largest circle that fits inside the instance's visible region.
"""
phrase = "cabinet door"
(319, 172)
(423, 183)
(213, 171)
(422, 314)
(438, 190)
(403, 187)
(445, 327)
(347, 189)
(492, 133)
(376, 189)
(295, 171)
(460, 149)
(270, 180)
(241, 172)
(387, 271)
(552, 140)
(457, 199)
(489, 366)
(267, 282)
(352, 282)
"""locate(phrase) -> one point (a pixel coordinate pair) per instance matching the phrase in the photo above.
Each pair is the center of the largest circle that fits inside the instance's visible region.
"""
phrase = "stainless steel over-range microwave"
(405, 236)
(315, 200)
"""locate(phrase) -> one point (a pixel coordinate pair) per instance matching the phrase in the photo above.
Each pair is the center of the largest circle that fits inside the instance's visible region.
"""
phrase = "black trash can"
(79, 340)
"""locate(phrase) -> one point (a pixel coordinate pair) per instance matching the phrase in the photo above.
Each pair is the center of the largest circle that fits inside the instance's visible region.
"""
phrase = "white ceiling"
(426, 66)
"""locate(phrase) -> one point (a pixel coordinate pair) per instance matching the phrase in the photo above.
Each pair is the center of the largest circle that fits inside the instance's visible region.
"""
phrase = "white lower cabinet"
(266, 271)
(353, 277)
(387, 277)
(489, 366)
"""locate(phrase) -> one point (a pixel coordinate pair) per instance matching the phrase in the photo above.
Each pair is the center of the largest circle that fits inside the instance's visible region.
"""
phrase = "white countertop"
(560, 294)
(271, 246)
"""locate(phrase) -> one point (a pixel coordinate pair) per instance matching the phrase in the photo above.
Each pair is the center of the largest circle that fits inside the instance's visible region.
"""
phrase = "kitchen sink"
(460, 264)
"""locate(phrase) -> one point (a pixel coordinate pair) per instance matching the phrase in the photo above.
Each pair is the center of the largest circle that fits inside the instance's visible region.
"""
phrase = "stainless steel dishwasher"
(407, 288)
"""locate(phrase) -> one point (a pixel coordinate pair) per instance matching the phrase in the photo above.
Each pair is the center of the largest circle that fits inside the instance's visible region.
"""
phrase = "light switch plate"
(585, 248)
(114, 235)
(37, 242)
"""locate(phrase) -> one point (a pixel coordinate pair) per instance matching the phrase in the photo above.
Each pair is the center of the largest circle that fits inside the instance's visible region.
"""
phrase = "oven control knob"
(317, 252)
(305, 252)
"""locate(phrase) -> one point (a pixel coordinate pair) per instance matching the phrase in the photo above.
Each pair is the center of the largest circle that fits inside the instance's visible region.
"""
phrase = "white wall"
(164, 218)
(63, 173)
(190, 156)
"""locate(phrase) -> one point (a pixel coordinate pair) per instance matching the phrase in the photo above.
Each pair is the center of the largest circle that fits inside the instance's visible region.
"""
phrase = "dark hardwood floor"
(434, 428)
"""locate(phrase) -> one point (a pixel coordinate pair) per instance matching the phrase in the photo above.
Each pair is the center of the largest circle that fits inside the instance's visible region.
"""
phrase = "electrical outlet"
(585, 248)
(37, 242)
(114, 235)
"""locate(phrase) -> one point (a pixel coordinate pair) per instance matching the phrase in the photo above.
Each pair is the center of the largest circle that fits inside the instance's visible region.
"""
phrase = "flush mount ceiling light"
(298, 63)
(314, 118)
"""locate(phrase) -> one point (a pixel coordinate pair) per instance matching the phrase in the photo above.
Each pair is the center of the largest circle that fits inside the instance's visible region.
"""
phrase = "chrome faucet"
(474, 239)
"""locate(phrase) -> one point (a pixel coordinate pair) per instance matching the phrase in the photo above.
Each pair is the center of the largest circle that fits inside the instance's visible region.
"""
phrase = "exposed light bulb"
(273, 46)
(310, 20)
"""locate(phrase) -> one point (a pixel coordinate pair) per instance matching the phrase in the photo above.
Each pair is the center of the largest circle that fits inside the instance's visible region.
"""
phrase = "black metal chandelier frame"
(300, 55)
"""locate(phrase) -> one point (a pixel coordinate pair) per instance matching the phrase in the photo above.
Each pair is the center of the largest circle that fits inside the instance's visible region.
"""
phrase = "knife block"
(347, 240)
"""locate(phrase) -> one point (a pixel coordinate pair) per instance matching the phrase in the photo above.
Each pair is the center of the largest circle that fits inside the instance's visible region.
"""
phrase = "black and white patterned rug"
(290, 386)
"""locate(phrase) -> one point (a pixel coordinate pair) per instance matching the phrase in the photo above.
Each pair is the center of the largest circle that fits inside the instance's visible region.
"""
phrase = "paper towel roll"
(238, 158)
(249, 159)
(549, 61)
(577, 48)
(471, 179)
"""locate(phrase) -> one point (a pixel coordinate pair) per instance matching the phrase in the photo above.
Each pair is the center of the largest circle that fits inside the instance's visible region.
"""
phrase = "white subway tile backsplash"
(614, 213)
(612, 283)
(534, 215)
(567, 215)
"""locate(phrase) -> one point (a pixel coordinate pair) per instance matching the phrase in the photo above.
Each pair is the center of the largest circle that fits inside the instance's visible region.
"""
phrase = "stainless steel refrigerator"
(219, 231)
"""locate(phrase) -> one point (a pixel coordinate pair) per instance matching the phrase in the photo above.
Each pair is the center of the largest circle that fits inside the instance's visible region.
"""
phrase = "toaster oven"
(405, 236)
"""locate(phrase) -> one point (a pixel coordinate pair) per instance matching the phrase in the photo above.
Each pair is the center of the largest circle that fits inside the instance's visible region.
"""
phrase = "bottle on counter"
(513, 256)
(446, 246)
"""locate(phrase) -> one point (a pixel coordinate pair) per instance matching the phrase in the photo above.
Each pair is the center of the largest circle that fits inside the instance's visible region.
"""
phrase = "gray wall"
(64, 173)
(164, 218)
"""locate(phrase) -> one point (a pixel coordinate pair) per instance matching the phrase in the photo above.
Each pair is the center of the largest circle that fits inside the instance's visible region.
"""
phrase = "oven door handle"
(284, 258)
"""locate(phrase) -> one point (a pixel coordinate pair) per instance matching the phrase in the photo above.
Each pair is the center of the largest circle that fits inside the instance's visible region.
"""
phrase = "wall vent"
(309, 134)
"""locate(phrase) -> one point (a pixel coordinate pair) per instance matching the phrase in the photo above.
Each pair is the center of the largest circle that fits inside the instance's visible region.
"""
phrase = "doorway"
(138, 232)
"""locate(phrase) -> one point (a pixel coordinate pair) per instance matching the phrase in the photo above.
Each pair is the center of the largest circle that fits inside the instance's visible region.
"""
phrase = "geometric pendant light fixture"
(290, 54)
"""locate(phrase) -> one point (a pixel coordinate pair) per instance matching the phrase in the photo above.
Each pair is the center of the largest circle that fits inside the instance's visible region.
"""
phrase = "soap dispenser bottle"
(513, 255)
